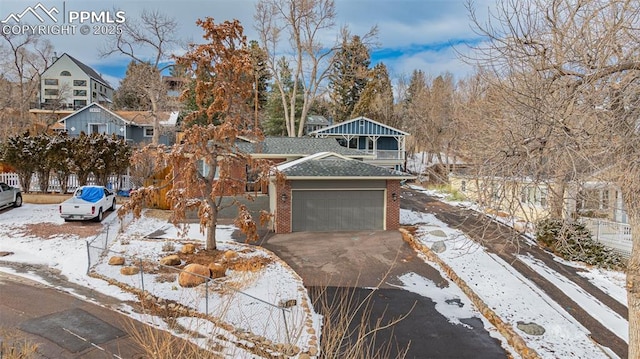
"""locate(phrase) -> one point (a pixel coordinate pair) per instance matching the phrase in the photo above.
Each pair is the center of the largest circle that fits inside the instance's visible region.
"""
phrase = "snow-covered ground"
(516, 299)
(246, 300)
(509, 294)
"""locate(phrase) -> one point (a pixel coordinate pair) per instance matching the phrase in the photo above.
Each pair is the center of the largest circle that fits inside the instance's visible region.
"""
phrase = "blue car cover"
(92, 194)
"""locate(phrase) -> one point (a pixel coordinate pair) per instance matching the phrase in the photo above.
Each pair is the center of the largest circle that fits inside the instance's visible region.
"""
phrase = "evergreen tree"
(348, 77)
(376, 101)
(261, 77)
(274, 122)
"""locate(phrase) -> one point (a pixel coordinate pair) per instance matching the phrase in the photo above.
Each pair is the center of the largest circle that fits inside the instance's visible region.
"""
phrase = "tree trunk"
(633, 286)
(211, 235)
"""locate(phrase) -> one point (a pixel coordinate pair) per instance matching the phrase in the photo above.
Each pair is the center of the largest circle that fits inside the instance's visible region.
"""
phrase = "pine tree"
(348, 77)
(376, 101)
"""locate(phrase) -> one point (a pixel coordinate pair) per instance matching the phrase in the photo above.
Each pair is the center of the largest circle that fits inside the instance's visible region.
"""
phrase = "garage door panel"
(338, 210)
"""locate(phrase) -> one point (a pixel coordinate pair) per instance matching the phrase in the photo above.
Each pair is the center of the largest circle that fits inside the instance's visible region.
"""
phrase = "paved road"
(62, 325)
(348, 265)
(508, 245)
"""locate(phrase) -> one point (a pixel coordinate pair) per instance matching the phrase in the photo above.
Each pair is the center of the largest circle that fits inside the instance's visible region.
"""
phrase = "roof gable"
(360, 126)
(94, 105)
(86, 69)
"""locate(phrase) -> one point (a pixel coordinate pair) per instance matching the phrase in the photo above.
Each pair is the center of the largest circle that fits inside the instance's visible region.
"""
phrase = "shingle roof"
(144, 117)
(331, 165)
(300, 146)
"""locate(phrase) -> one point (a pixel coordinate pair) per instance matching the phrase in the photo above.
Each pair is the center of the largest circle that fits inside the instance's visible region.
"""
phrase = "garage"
(337, 210)
(327, 192)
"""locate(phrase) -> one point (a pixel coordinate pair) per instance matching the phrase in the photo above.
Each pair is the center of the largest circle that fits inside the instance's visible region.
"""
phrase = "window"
(605, 199)
(52, 82)
(65, 73)
(204, 169)
(51, 92)
(97, 128)
(148, 132)
(95, 86)
(79, 82)
(79, 92)
(79, 103)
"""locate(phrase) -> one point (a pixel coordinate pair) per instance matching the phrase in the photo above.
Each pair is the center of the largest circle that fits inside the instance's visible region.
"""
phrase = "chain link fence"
(232, 310)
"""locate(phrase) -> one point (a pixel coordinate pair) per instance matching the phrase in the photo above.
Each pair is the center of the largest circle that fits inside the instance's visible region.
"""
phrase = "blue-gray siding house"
(385, 143)
(134, 126)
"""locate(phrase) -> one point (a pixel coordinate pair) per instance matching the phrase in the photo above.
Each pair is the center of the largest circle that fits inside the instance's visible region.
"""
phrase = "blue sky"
(413, 34)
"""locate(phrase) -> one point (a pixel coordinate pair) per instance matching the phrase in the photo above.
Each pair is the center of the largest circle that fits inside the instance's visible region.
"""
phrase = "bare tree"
(302, 22)
(149, 43)
(565, 75)
(22, 59)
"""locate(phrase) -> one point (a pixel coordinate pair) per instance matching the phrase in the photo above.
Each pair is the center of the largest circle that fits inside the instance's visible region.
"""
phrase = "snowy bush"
(573, 241)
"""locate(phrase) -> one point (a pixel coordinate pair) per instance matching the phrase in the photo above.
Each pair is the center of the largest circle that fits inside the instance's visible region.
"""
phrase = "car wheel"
(18, 201)
(99, 216)
(113, 205)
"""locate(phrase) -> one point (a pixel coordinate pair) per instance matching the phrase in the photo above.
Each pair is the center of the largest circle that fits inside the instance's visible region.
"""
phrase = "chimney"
(55, 57)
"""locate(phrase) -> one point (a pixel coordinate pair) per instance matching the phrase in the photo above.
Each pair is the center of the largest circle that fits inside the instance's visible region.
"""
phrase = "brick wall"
(393, 207)
(283, 209)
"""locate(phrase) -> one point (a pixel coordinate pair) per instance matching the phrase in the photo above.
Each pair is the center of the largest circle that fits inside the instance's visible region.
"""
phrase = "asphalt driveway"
(352, 263)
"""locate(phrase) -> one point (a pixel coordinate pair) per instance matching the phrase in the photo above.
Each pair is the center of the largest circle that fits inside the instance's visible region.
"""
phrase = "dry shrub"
(166, 278)
(13, 345)
(250, 264)
(159, 344)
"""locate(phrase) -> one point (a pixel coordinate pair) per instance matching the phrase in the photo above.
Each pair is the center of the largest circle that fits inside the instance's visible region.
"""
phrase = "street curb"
(513, 338)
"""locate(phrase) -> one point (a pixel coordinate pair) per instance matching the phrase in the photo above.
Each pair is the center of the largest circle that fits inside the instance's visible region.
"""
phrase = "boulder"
(116, 261)
(172, 260)
(217, 270)
(531, 328)
(188, 248)
(229, 255)
(439, 247)
(193, 275)
(438, 233)
(130, 270)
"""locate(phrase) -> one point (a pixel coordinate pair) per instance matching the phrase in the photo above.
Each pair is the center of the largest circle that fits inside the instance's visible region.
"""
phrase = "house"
(327, 192)
(385, 143)
(314, 123)
(134, 126)
(68, 83)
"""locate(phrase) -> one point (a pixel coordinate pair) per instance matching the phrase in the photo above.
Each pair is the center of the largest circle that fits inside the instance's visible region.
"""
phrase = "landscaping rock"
(217, 270)
(531, 328)
(116, 261)
(131, 270)
(439, 247)
(229, 255)
(438, 233)
(193, 275)
(188, 248)
(172, 260)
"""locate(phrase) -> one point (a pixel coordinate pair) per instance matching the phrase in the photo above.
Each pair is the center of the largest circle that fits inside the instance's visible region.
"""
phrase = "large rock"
(230, 255)
(217, 270)
(172, 260)
(531, 328)
(439, 247)
(193, 275)
(116, 261)
(188, 248)
(438, 233)
(130, 270)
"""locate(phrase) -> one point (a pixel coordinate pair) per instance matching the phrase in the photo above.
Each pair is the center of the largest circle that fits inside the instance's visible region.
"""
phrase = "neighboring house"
(68, 83)
(597, 204)
(314, 123)
(134, 126)
(327, 192)
(385, 143)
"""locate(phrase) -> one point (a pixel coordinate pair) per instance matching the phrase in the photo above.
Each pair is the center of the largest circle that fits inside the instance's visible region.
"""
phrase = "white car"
(88, 202)
(9, 196)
